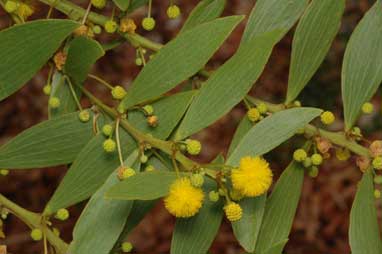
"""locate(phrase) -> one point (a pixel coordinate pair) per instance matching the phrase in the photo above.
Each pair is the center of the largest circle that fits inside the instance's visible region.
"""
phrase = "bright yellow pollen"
(233, 211)
(183, 200)
(253, 177)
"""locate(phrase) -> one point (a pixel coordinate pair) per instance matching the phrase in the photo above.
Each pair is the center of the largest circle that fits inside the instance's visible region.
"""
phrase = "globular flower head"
(193, 146)
(24, 10)
(11, 6)
(152, 121)
(84, 115)
(313, 172)
(300, 155)
(149, 109)
(263, 108)
(327, 118)
(317, 159)
(62, 214)
(233, 211)
(107, 130)
(253, 115)
(4, 172)
(126, 247)
(118, 93)
(98, 3)
(213, 196)
(148, 23)
(173, 11)
(183, 200)
(109, 145)
(82, 30)
(97, 29)
(197, 180)
(377, 162)
(36, 234)
(110, 26)
(367, 108)
(54, 102)
(47, 89)
(125, 172)
(377, 193)
(253, 177)
(127, 25)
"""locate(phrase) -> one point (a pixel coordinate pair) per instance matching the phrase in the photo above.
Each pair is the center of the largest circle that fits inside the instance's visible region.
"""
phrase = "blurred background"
(322, 218)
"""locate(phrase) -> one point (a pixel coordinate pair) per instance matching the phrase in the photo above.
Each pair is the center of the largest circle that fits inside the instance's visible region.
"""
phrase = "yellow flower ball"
(47, 89)
(110, 26)
(377, 163)
(316, 159)
(126, 247)
(98, 3)
(193, 146)
(24, 11)
(126, 173)
(36, 234)
(183, 200)
(367, 108)
(109, 145)
(253, 115)
(107, 130)
(62, 214)
(377, 193)
(173, 11)
(11, 6)
(253, 177)
(148, 23)
(84, 116)
(263, 108)
(118, 93)
(54, 102)
(213, 196)
(4, 172)
(127, 25)
(327, 117)
(300, 155)
(233, 211)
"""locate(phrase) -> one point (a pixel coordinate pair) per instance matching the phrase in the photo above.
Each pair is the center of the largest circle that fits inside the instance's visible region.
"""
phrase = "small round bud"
(197, 180)
(36, 234)
(297, 104)
(107, 130)
(152, 121)
(125, 172)
(118, 92)
(356, 131)
(109, 145)
(82, 30)
(233, 211)
(221, 192)
(263, 108)
(300, 155)
(138, 61)
(376, 148)
(377, 193)
(47, 89)
(97, 29)
(100, 4)
(126, 247)
(378, 179)
(110, 26)
(327, 117)
(84, 115)
(193, 146)
(148, 23)
(367, 108)
(62, 214)
(313, 172)
(127, 25)
(173, 11)
(377, 163)
(54, 102)
(11, 6)
(342, 154)
(4, 172)
(363, 163)
(121, 109)
(213, 196)
(253, 115)
(149, 109)
(317, 159)
(307, 162)
(143, 158)
(149, 168)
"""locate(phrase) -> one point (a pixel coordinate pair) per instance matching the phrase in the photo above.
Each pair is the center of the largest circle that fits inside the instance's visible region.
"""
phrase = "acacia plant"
(128, 156)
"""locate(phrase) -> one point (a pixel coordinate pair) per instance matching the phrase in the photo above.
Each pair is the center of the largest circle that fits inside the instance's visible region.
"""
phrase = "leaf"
(276, 248)
(205, 11)
(195, 235)
(244, 126)
(122, 4)
(60, 89)
(179, 60)
(364, 233)
(232, 81)
(156, 184)
(313, 37)
(50, 143)
(82, 54)
(135, 4)
(271, 15)
(106, 216)
(280, 209)
(362, 71)
(25, 48)
(247, 229)
(272, 131)
(92, 166)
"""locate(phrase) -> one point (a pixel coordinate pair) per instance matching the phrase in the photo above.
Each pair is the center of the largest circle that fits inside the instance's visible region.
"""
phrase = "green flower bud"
(300, 155)
(148, 23)
(109, 145)
(193, 146)
(317, 159)
(84, 116)
(107, 130)
(213, 196)
(62, 214)
(36, 234)
(54, 102)
(126, 247)
(197, 180)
